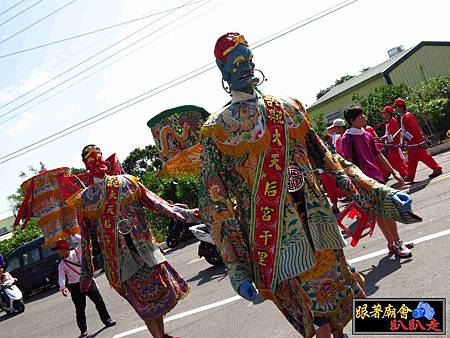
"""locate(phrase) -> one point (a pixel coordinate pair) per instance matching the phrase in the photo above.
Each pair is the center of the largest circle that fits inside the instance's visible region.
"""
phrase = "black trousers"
(79, 299)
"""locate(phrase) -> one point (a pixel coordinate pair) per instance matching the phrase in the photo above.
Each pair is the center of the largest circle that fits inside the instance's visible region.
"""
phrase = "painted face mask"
(93, 160)
(235, 61)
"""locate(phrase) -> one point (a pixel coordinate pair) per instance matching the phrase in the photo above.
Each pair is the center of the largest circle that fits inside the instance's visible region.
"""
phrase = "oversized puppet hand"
(198, 214)
(403, 200)
(85, 284)
(247, 291)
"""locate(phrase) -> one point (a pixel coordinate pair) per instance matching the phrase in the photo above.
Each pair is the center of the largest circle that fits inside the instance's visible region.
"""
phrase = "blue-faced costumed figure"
(282, 238)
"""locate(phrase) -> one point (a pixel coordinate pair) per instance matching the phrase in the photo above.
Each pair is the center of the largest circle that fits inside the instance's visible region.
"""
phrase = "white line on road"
(183, 314)
(385, 251)
(235, 298)
(195, 260)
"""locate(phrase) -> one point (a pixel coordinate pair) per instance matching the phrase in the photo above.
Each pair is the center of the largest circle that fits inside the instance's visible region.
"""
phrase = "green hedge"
(429, 102)
(19, 237)
(178, 190)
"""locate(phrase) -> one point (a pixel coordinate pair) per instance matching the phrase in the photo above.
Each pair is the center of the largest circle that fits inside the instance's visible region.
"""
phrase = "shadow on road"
(181, 245)
(96, 333)
(41, 294)
(6, 316)
(214, 272)
(412, 188)
(419, 185)
(385, 267)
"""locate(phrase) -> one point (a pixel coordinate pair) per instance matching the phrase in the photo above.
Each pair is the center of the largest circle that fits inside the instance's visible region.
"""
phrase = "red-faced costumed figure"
(113, 209)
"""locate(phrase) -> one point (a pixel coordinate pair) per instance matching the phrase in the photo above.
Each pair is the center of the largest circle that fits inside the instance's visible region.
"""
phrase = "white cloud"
(62, 114)
(24, 85)
(26, 120)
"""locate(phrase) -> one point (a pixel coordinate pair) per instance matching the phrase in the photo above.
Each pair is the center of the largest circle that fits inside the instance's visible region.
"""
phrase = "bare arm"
(387, 165)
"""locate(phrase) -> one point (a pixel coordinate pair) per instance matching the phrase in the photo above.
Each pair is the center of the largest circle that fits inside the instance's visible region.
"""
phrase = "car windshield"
(13, 263)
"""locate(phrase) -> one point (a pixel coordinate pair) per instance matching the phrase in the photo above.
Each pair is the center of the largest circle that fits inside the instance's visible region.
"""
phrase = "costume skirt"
(154, 291)
(320, 295)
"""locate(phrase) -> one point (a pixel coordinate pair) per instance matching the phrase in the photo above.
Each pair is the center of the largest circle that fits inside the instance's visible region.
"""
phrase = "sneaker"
(83, 334)
(401, 250)
(435, 173)
(109, 323)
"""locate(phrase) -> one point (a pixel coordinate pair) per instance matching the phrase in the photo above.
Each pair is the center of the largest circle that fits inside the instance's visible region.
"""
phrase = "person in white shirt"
(69, 282)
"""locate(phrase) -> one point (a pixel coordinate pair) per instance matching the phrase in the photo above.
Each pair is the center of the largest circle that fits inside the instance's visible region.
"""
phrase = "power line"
(23, 11)
(95, 42)
(94, 65)
(125, 105)
(305, 22)
(83, 62)
(94, 31)
(38, 21)
(13, 6)
(100, 69)
(166, 86)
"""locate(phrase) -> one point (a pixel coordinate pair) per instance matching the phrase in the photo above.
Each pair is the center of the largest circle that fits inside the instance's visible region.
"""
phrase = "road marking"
(182, 315)
(235, 298)
(195, 260)
(425, 182)
(385, 251)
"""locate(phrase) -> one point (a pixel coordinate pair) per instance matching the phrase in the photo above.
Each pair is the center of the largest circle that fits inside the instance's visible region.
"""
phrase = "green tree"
(319, 124)
(142, 160)
(19, 237)
(15, 200)
(178, 190)
(76, 171)
(382, 96)
(431, 104)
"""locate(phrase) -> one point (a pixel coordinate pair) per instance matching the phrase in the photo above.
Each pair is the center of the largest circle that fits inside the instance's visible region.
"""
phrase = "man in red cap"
(392, 140)
(415, 143)
(69, 282)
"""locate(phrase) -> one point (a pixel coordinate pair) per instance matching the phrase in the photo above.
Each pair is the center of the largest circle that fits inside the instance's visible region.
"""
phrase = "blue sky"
(299, 64)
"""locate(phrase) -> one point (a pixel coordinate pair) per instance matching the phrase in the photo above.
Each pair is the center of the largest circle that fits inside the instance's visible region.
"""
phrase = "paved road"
(426, 275)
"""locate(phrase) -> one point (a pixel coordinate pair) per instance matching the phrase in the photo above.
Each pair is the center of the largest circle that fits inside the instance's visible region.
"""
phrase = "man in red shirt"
(392, 140)
(415, 141)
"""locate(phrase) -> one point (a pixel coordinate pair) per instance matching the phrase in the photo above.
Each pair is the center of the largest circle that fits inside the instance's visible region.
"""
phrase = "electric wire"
(11, 7)
(100, 69)
(94, 65)
(22, 11)
(157, 90)
(37, 21)
(94, 31)
(83, 62)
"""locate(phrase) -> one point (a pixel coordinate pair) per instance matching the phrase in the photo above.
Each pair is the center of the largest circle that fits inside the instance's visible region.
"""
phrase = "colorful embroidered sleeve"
(155, 203)
(372, 196)
(217, 211)
(87, 268)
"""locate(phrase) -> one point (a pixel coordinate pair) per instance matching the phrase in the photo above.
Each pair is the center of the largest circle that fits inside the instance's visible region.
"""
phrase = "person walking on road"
(69, 282)
(358, 147)
(415, 143)
(392, 141)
